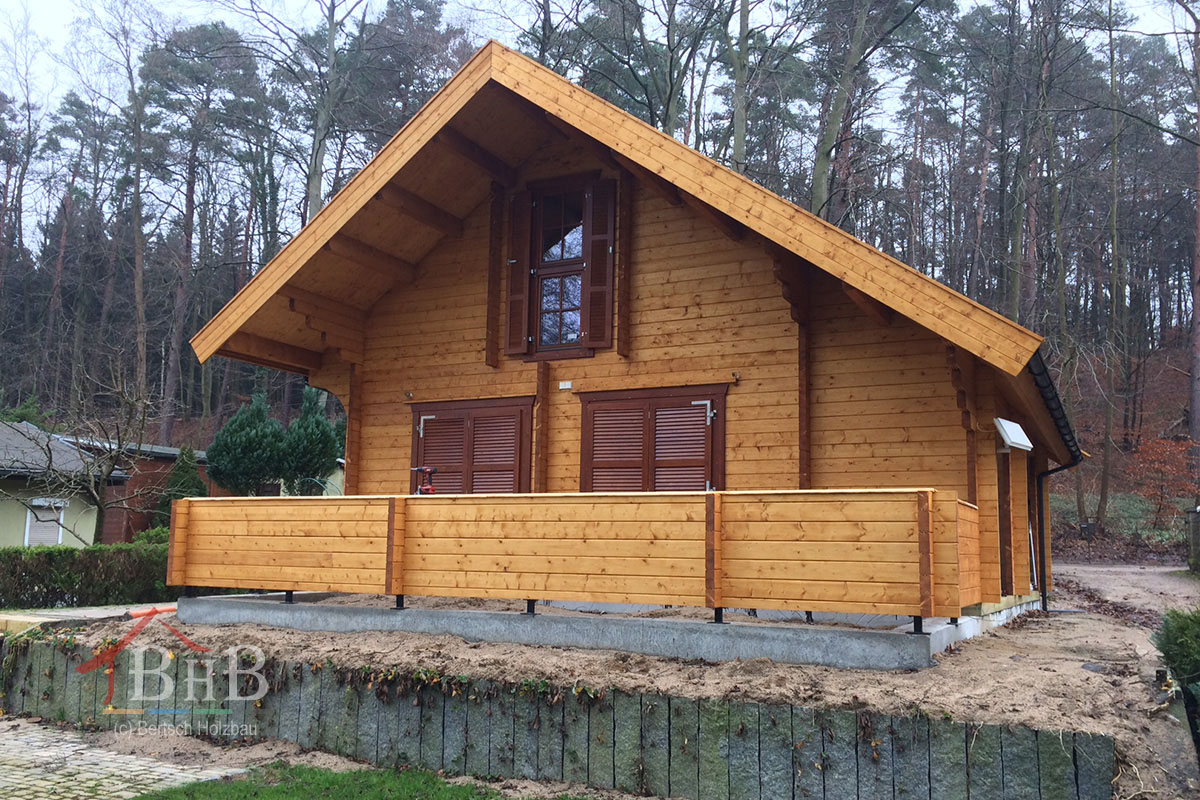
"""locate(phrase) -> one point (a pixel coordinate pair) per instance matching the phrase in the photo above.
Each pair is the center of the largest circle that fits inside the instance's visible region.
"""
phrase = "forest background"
(1040, 156)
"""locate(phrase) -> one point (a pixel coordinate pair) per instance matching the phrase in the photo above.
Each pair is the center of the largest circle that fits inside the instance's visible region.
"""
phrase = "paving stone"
(454, 733)
(948, 759)
(600, 742)
(910, 757)
(1020, 756)
(874, 756)
(575, 738)
(43, 761)
(403, 730)
(1056, 765)
(808, 780)
(525, 734)
(432, 711)
(367, 729)
(550, 738)
(479, 717)
(743, 751)
(655, 744)
(308, 722)
(627, 738)
(502, 747)
(840, 730)
(984, 764)
(285, 698)
(685, 747)
(1095, 764)
(713, 753)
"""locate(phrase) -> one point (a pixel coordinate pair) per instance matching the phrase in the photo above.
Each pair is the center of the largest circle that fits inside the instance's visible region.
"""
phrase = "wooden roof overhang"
(303, 310)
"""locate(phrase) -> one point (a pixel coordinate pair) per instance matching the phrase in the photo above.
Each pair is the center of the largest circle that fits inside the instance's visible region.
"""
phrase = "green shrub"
(55, 577)
(248, 451)
(310, 448)
(159, 535)
(184, 481)
(1179, 641)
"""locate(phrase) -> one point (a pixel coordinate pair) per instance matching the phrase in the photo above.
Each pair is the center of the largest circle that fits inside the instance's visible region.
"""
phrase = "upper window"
(560, 293)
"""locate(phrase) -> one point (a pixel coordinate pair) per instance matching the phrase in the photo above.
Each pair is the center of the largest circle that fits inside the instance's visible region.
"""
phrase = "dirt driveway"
(1150, 589)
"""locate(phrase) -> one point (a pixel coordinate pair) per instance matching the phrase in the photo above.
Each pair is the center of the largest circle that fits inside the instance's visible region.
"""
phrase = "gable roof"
(489, 118)
(960, 320)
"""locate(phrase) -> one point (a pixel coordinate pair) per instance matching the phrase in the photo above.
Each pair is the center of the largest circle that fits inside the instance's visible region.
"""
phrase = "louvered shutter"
(44, 527)
(443, 444)
(519, 246)
(494, 452)
(615, 453)
(597, 301)
(682, 445)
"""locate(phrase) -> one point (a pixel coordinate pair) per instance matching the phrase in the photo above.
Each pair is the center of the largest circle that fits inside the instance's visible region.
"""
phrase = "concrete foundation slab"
(857, 648)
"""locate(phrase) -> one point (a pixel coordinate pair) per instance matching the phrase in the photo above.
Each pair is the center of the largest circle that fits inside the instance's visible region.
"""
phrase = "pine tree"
(184, 481)
(248, 451)
(310, 449)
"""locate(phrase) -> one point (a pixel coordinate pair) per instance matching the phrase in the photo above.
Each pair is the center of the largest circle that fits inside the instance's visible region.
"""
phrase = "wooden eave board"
(978, 330)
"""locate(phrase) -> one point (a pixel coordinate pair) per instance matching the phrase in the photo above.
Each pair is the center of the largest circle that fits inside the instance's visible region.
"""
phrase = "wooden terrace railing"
(912, 552)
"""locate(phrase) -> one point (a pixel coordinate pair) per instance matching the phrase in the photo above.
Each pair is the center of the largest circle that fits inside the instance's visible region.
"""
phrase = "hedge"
(99, 575)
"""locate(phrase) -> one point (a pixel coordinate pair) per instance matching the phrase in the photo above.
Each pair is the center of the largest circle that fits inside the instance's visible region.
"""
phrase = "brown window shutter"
(600, 253)
(443, 444)
(519, 247)
(614, 447)
(494, 452)
(682, 446)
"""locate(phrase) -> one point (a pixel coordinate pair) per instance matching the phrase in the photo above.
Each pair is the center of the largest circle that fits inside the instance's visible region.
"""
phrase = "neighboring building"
(533, 291)
(43, 500)
(132, 503)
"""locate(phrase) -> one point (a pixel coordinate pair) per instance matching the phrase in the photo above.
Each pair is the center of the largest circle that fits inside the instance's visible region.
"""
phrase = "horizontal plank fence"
(646, 743)
(911, 552)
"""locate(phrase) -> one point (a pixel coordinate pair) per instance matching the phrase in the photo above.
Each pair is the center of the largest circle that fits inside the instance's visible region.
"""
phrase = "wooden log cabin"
(695, 392)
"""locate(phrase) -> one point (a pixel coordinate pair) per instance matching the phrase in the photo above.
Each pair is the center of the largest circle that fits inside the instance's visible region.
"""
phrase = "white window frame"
(45, 502)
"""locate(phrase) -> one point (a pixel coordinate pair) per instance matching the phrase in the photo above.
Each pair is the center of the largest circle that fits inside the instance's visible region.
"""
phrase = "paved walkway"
(38, 761)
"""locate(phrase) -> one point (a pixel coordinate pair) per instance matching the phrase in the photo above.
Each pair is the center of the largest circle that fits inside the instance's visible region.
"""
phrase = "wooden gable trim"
(967, 324)
(416, 207)
(975, 328)
(415, 134)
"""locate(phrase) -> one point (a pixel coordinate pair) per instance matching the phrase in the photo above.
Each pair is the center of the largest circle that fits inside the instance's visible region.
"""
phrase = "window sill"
(559, 355)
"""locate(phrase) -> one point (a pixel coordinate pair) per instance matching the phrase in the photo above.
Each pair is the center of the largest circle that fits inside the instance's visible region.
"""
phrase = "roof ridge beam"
(478, 155)
(413, 205)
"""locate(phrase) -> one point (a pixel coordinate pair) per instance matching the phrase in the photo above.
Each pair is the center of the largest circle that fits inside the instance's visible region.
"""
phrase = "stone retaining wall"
(724, 749)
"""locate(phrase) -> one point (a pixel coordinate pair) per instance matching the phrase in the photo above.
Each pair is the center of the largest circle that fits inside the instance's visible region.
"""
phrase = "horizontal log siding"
(969, 591)
(308, 544)
(841, 551)
(884, 411)
(702, 308)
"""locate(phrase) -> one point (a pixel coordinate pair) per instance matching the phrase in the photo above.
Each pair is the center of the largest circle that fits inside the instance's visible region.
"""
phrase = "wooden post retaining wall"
(707, 749)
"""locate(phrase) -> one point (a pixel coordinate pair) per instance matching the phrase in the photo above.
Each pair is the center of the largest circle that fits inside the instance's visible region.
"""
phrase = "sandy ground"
(1151, 588)
(1092, 671)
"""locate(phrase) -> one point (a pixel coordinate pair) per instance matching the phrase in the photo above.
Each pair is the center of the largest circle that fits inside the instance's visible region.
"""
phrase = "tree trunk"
(171, 388)
(832, 124)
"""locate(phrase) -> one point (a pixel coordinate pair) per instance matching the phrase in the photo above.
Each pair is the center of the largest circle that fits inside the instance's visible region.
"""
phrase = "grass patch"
(285, 782)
